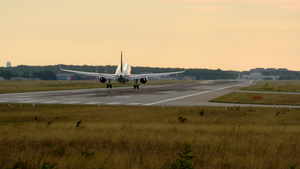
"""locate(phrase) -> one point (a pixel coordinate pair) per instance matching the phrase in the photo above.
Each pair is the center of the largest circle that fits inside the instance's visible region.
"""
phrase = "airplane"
(122, 75)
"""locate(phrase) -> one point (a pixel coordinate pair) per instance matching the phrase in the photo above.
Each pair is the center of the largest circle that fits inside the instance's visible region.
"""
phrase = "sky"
(213, 34)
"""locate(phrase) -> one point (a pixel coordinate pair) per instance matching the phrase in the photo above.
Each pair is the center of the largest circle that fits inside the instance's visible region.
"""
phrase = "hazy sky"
(225, 34)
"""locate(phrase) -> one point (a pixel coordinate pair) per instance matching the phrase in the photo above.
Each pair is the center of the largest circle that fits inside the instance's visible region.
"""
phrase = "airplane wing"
(139, 76)
(105, 75)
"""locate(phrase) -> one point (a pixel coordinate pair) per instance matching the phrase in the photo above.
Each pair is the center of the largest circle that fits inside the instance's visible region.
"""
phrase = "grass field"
(276, 86)
(129, 137)
(267, 98)
(30, 86)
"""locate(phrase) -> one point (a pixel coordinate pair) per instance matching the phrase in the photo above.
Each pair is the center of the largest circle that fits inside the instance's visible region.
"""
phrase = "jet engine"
(102, 79)
(144, 80)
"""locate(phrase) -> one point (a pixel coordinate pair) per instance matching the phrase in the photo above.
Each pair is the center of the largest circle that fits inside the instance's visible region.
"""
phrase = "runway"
(146, 95)
(198, 94)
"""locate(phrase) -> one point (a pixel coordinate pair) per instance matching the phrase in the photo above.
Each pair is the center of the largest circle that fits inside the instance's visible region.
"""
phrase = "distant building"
(65, 76)
(259, 70)
(259, 76)
(8, 64)
(85, 77)
(189, 77)
(24, 79)
(2, 78)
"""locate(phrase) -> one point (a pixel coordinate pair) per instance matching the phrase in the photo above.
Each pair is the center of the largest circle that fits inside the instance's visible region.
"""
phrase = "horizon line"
(156, 67)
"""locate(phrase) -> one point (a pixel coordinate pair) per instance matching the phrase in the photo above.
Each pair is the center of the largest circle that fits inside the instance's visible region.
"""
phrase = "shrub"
(78, 123)
(16, 165)
(293, 166)
(181, 119)
(87, 154)
(48, 166)
(277, 114)
(183, 162)
(60, 151)
(201, 113)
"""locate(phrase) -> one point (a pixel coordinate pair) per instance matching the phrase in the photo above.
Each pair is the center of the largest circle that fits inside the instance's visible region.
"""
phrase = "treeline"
(43, 75)
(284, 75)
(6, 74)
(48, 72)
(208, 74)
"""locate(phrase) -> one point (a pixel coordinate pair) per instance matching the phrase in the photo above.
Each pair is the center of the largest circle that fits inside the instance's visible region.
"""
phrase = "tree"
(7, 74)
(44, 75)
(25, 75)
(183, 162)
(49, 75)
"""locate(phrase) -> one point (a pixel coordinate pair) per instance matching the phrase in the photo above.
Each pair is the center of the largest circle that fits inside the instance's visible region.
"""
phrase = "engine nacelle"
(102, 79)
(144, 80)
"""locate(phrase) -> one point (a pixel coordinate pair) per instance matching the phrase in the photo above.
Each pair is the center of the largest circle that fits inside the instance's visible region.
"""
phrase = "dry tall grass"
(147, 137)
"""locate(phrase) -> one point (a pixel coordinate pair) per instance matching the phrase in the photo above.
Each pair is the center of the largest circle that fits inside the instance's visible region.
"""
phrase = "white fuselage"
(123, 72)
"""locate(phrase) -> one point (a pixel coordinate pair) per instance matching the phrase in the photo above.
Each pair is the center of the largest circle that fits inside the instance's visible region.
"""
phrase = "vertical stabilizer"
(121, 62)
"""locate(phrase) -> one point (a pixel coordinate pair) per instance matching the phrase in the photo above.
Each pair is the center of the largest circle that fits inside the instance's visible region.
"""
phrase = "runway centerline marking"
(134, 104)
(92, 103)
(113, 103)
(50, 102)
(122, 97)
(190, 95)
(71, 102)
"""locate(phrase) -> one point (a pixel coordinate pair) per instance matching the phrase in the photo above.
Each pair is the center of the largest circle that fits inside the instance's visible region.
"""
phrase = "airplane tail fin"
(121, 63)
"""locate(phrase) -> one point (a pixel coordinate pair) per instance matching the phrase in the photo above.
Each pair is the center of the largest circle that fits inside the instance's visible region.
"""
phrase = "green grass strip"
(267, 98)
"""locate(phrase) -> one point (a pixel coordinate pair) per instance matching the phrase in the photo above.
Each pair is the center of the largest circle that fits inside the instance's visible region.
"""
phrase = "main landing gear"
(109, 85)
(136, 86)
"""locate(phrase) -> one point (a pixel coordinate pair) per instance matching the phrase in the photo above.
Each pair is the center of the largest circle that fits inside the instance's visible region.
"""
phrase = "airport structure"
(8, 64)
(24, 79)
(65, 76)
(259, 70)
(259, 76)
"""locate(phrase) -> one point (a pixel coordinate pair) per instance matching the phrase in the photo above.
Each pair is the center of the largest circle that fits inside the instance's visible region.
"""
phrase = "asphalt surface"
(198, 94)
